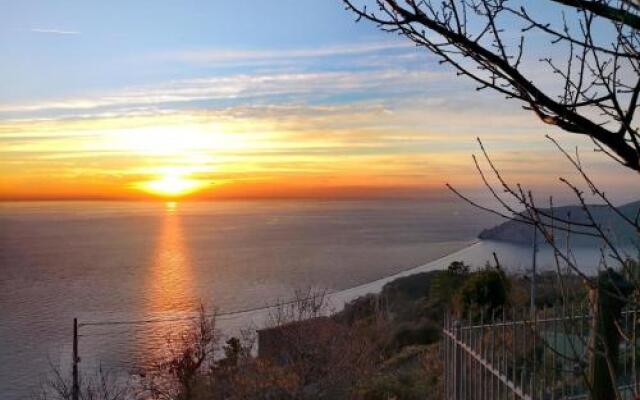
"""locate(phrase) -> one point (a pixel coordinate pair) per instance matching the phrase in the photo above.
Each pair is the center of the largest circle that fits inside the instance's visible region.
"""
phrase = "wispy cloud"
(52, 31)
(303, 86)
(214, 56)
(298, 83)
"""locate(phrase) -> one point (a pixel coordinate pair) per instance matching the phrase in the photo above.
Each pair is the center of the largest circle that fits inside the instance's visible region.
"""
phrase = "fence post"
(447, 359)
(75, 388)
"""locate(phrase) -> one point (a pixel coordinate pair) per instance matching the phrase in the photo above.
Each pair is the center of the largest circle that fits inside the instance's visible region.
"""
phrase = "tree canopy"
(592, 57)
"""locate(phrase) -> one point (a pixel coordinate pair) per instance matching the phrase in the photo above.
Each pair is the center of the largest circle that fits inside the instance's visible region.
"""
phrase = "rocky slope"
(513, 231)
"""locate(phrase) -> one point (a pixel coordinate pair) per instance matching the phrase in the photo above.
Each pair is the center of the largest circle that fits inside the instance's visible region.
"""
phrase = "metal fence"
(517, 354)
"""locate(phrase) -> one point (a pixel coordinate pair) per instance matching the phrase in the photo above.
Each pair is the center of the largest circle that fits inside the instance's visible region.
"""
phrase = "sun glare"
(173, 186)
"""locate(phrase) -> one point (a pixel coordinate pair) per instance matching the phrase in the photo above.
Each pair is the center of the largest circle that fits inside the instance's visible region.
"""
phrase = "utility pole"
(534, 315)
(75, 388)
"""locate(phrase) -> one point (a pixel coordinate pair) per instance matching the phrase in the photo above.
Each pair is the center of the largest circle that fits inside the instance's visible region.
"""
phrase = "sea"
(128, 270)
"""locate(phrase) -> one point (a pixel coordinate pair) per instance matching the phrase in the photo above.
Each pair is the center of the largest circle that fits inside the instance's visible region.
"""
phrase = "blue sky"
(64, 47)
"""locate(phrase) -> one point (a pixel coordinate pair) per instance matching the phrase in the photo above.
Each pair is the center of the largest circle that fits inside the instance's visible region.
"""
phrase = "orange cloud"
(363, 150)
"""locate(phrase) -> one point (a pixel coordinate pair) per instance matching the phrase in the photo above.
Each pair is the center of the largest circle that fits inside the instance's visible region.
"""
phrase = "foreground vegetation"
(380, 346)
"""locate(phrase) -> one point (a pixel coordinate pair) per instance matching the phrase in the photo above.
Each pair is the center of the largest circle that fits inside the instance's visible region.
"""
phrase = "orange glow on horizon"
(217, 155)
(207, 155)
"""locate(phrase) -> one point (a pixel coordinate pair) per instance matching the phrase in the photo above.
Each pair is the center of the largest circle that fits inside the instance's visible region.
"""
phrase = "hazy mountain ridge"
(517, 232)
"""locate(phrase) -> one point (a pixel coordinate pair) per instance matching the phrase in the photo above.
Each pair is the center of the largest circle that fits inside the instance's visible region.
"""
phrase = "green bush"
(485, 290)
(448, 282)
(410, 287)
(360, 309)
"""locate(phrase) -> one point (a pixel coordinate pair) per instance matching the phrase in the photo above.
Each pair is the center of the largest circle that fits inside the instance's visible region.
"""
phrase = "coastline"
(233, 322)
(514, 258)
(340, 298)
(475, 253)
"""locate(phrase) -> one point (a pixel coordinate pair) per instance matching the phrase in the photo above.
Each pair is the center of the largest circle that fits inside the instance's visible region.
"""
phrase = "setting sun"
(173, 186)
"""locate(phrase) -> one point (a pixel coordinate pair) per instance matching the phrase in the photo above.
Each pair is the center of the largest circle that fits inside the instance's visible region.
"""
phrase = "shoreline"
(350, 294)
(342, 295)
(514, 258)
(234, 321)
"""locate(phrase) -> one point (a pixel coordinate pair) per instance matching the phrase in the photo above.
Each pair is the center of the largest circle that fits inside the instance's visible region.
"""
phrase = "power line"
(194, 317)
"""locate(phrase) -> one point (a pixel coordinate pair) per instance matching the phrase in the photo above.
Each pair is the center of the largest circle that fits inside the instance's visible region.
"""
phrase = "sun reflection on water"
(171, 277)
(170, 291)
(171, 206)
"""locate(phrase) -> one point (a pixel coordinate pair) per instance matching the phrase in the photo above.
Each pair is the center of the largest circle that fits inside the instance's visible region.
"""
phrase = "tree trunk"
(607, 302)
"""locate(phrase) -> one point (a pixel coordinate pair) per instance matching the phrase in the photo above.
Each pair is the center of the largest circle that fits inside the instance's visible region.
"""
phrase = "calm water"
(112, 261)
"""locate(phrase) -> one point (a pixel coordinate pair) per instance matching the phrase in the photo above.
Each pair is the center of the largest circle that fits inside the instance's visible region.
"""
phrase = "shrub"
(359, 309)
(410, 287)
(401, 386)
(486, 290)
(449, 281)
(413, 333)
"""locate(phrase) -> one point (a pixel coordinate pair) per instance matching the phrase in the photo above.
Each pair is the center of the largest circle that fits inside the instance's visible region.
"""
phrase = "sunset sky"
(244, 98)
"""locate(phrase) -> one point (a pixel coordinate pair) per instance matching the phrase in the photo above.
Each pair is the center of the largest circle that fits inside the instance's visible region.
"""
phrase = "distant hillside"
(520, 233)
